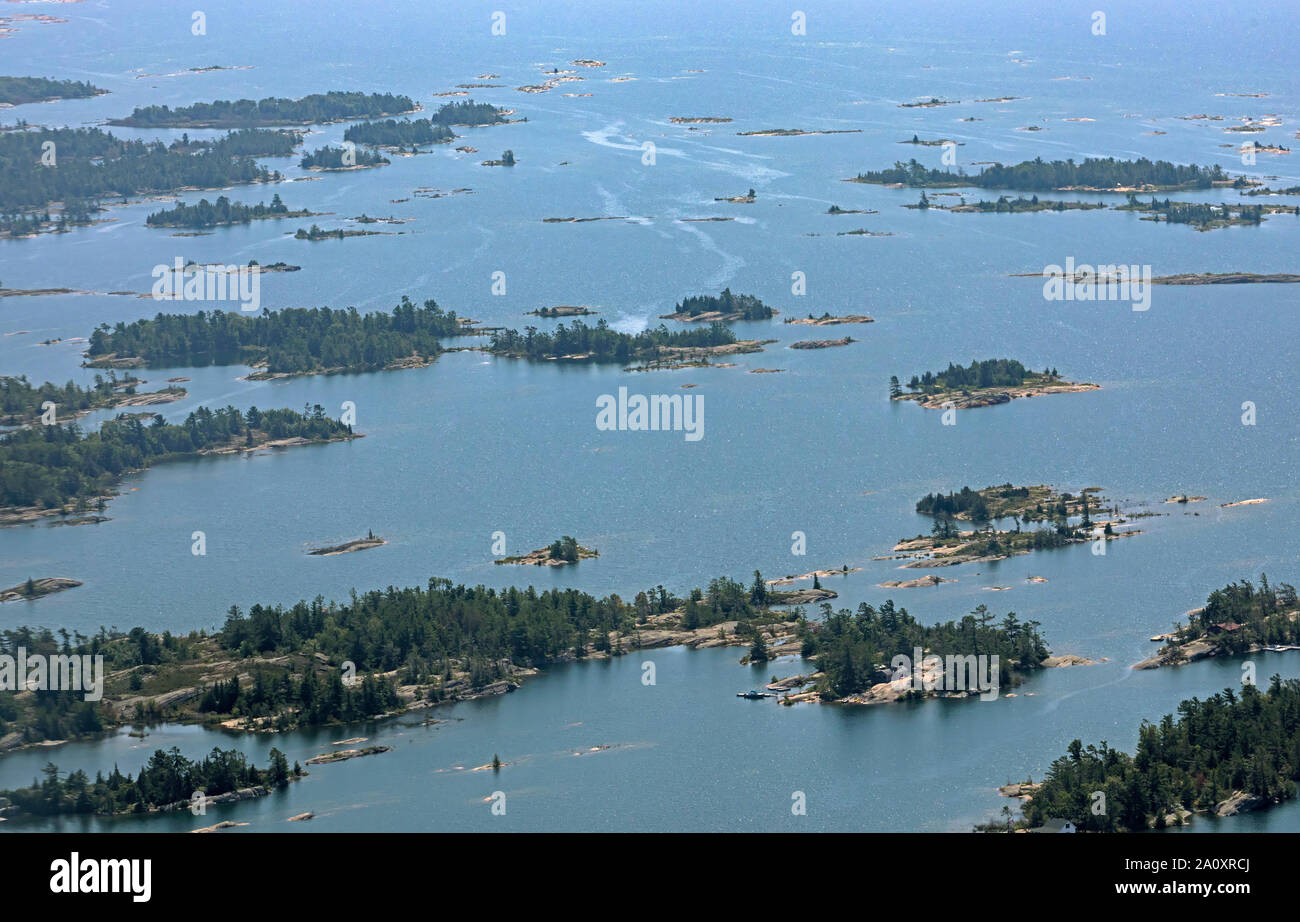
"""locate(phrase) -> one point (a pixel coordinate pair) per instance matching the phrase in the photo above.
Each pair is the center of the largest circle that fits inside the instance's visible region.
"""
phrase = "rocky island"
(982, 384)
(723, 307)
(348, 547)
(822, 343)
(826, 320)
(563, 310)
(947, 545)
(37, 588)
(558, 553)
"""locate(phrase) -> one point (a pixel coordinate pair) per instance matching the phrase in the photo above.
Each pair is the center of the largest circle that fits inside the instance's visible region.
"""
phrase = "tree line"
(216, 214)
(986, 373)
(50, 466)
(468, 113)
(90, 163)
(21, 401)
(1093, 172)
(748, 306)
(338, 158)
(1247, 741)
(394, 133)
(15, 91)
(599, 343)
(246, 142)
(853, 650)
(167, 779)
(314, 108)
(290, 341)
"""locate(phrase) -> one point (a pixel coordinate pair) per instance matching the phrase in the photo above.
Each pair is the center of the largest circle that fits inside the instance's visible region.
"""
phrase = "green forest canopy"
(291, 341)
(15, 91)
(49, 466)
(243, 113)
(1093, 173)
(90, 163)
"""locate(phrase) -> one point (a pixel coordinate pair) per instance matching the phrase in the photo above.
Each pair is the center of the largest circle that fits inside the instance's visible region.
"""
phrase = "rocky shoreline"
(959, 399)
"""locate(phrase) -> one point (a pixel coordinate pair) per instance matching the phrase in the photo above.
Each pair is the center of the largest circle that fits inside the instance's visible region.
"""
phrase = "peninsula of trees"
(92, 164)
(291, 341)
(318, 108)
(15, 91)
(221, 213)
(1232, 752)
(1094, 173)
(1239, 618)
(983, 383)
(22, 403)
(274, 667)
(49, 470)
(726, 306)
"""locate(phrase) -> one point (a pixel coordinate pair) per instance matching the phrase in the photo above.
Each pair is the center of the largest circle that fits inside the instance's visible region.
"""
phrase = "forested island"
(290, 341)
(315, 109)
(92, 164)
(983, 383)
(275, 668)
(221, 213)
(73, 214)
(340, 158)
(469, 114)
(17, 91)
(391, 133)
(853, 650)
(166, 782)
(1232, 752)
(54, 470)
(726, 306)
(1239, 618)
(1093, 174)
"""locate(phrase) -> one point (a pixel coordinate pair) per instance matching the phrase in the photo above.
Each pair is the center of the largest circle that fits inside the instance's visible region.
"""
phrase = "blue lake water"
(473, 445)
